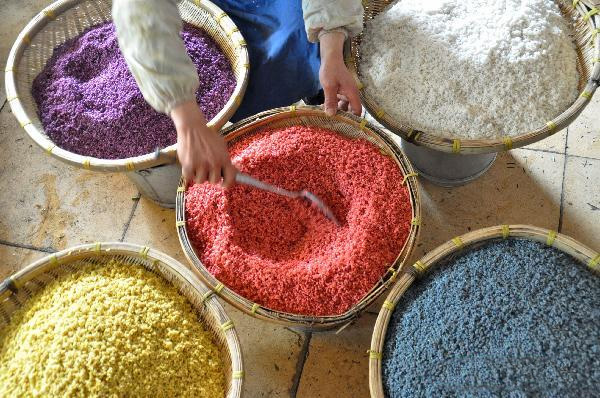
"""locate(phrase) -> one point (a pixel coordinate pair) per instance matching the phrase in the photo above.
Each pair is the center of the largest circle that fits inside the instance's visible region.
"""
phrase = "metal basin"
(158, 184)
(447, 169)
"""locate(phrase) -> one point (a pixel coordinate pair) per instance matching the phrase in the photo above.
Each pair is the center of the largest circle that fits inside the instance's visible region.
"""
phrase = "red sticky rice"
(285, 255)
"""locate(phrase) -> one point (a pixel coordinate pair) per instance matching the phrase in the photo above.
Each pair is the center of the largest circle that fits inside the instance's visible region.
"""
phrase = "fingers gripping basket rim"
(585, 20)
(65, 19)
(445, 252)
(308, 115)
(19, 287)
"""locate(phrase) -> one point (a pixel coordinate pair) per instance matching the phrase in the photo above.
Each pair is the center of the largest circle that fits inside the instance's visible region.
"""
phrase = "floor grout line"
(562, 187)
(29, 247)
(543, 150)
(560, 153)
(302, 356)
(3, 104)
(581, 157)
(128, 223)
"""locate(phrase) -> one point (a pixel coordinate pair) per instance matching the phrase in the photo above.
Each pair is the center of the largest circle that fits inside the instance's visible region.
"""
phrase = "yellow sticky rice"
(116, 330)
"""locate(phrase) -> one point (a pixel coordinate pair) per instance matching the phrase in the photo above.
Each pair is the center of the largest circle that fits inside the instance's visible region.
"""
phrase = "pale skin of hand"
(203, 153)
(339, 86)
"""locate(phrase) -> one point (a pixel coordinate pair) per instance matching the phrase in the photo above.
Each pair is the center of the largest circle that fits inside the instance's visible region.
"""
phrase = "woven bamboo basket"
(66, 19)
(584, 18)
(447, 251)
(20, 287)
(349, 126)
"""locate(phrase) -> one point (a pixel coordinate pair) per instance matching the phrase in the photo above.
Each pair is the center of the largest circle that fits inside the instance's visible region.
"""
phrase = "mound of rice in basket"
(478, 69)
(89, 103)
(113, 330)
(512, 318)
(280, 252)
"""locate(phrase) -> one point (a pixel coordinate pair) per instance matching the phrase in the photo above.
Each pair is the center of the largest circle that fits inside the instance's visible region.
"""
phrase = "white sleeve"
(326, 15)
(148, 34)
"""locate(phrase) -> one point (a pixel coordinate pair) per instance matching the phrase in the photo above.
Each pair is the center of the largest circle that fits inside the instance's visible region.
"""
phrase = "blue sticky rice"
(510, 318)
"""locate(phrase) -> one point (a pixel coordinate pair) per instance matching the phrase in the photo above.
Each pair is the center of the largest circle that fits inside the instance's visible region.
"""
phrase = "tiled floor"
(47, 206)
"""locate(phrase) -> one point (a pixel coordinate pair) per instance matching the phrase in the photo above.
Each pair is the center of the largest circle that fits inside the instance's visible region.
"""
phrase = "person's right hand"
(201, 151)
(339, 86)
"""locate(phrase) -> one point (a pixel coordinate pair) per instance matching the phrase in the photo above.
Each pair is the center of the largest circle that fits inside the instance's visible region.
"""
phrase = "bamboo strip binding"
(446, 251)
(584, 22)
(65, 19)
(350, 126)
(19, 288)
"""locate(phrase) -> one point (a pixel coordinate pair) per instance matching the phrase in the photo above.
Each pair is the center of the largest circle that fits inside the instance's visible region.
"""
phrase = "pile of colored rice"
(512, 318)
(478, 69)
(109, 331)
(285, 255)
(90, 104)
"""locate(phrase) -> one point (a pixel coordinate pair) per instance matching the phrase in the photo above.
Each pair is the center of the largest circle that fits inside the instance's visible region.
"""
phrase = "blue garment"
(284, 65)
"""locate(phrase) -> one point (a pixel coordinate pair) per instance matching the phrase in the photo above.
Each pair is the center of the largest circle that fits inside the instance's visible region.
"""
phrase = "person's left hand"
(339, 86)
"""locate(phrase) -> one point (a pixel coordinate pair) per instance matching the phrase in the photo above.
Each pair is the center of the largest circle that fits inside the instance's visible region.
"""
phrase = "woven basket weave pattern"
(588, 65)
(19, 288)
(349, 126)
(446, 252)
(66, 19)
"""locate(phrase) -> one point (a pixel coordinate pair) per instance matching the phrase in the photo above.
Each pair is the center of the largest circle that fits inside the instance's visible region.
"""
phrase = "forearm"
(332, 47)
(148, 33)
(338, 84)
(185, 114)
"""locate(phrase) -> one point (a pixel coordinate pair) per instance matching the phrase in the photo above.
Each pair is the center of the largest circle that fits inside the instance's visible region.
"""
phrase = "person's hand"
(201, 151)
(339, 86)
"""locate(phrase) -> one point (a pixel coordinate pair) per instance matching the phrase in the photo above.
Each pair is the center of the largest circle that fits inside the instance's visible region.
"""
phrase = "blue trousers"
(284, 66)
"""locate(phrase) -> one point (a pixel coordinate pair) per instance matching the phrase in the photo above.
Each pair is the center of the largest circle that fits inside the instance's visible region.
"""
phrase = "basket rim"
(296, 320)
(93, 250)
(479, 146)
(551, 238)
(165, 155)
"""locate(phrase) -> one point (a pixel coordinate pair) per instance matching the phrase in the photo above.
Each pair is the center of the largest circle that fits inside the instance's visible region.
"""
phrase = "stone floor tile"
(584, 132)
(47, 203)
(337, 365)
(581, 201)
(13, 259)
(270, 353)
(154, 226)
(521, 187)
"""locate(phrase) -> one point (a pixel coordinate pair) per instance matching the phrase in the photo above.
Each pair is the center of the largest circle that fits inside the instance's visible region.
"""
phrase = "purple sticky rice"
(89, 102)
